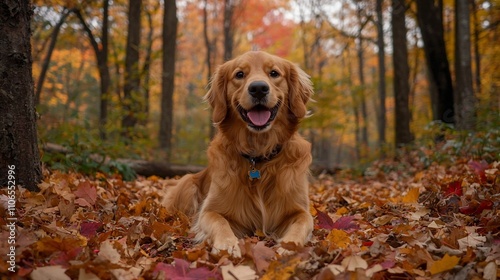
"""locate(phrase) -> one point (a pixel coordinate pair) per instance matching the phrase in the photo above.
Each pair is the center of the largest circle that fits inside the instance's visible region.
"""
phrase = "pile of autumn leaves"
(397, 221)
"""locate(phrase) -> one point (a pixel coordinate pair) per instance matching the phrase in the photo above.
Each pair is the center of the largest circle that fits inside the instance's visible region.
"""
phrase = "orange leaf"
(411, 196)
(445, 264)
(279, 270)
(338, 238)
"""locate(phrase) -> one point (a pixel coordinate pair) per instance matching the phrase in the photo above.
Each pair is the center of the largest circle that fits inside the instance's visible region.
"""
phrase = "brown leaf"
(86, 194)
(262, 255)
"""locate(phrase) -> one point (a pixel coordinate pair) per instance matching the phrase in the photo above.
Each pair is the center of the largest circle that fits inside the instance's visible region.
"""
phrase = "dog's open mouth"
(259, 117)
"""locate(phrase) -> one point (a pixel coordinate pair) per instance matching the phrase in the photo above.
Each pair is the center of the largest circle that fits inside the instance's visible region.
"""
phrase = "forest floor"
(398, 220)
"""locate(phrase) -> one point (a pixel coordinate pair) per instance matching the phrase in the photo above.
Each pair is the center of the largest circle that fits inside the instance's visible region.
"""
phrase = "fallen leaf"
(89, 229)
(411, 196)
(383, 220)
(454, 188)
(54, 272)
(108, 252)
(180, 271)
(436, 225)
(490, 271)
(471, 240)
(240, 272)
(262, 255)
(324, 220)
(130, 273)
(444, 264)
(475, 208)
(335, 269)
(87, 275)
(341, 211)
(345, 223)
(351, 263)
(86, 193)
(479, 168)
(281, 269)
(338, 239)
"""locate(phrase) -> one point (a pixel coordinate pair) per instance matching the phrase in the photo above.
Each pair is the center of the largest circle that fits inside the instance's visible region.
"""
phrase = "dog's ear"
(300, 89)
(216, 95)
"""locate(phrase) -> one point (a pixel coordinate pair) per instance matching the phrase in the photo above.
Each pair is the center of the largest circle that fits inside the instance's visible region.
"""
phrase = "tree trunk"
(101, 53)
(209, 46)
(146, 70)
(477, 55)
(381, 119)
(169, 42)
(361, 93)
(228, 29)
(430, 21)
(132, 100)
(46, 60)
(401, 75)
(346, 64)
(464, 94)
(19, 156)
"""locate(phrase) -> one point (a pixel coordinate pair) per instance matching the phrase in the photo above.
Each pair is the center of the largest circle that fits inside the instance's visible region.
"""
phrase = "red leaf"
(324, 221)
(475, 208)
(345, 223)
(63, 258)
(454, 188)
(367, 243)
(181, 271)
(479, 168)
(89, 229)
(485, 205)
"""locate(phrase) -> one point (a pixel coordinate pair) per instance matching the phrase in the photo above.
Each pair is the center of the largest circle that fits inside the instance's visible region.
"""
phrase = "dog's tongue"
(259, 117)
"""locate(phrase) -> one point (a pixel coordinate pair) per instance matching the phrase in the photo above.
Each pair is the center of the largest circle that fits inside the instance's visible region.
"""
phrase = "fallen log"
(157, 168)
(141, 167)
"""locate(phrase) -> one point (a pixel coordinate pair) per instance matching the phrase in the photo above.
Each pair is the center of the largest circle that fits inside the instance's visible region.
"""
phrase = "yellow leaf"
(312, 210)
(411, 196)
(446, 263)
(281, 270)
(338, 239)
(342, 211)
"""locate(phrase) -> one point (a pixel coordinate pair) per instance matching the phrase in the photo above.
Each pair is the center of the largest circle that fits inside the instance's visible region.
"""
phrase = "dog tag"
(254, 174)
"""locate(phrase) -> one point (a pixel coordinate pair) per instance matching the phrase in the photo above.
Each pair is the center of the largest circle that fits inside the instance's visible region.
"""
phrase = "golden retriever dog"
(258, 164)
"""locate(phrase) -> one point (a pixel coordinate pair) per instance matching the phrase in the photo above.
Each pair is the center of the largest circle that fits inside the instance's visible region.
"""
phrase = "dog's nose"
(258, 89)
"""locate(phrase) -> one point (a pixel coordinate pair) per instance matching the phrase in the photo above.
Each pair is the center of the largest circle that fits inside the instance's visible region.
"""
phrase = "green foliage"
(441, 143)
(85, 153)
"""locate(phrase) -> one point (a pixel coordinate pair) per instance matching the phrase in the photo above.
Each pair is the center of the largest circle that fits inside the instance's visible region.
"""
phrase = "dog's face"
(260, 89)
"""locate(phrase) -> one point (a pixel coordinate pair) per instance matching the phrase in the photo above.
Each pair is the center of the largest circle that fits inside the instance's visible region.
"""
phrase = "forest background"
(126, 79)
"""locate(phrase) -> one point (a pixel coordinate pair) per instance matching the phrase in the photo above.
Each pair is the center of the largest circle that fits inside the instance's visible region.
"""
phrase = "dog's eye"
(274, 74)
(239, 75)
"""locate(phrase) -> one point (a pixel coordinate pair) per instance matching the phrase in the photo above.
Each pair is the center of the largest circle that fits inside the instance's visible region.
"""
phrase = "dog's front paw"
(294, 239)
(229, 245)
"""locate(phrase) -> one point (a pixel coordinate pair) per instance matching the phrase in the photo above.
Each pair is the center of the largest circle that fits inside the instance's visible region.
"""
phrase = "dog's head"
(260, 89)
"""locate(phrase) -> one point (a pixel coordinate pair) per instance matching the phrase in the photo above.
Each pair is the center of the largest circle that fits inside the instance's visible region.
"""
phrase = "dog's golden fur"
(225, 203)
